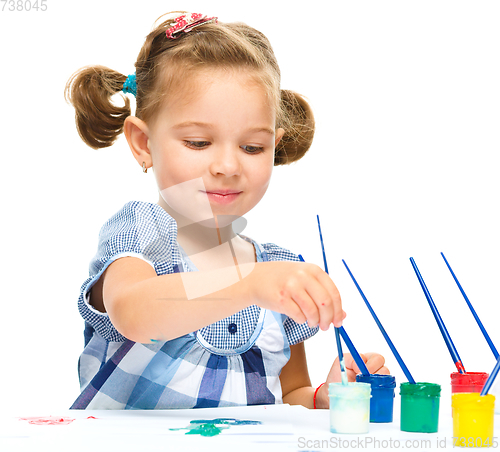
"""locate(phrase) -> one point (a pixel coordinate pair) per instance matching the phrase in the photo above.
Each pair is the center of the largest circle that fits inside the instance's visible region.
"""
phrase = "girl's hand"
(374, 362)
(302, 291)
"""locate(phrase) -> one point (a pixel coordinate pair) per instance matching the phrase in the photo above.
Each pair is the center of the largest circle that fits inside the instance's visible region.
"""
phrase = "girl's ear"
(278, 136)
(137, 134)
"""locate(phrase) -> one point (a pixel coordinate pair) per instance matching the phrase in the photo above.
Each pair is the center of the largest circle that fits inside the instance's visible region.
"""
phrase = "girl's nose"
(225, 161)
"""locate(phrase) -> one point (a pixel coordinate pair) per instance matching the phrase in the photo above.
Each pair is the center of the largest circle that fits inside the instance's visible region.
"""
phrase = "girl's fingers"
(374, 362)
(293, 311)
(334, 297)
(335, 375)
(307, 307)
(351, 375)
(383, 371)
(290, 308)
(322, 303)
(308, 294)
(350, 363)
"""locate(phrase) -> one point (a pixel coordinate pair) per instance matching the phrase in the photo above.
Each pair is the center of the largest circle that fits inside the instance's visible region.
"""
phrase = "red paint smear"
(91, 417)
(50, 420)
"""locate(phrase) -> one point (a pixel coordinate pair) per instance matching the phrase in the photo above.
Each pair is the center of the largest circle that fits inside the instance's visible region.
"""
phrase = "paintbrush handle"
(479, 323)
(343, 373)
(322, 245)
(439, 320)
(381, 328)
(356, 356)
(339, 350)
(339, 345)
(491, 378)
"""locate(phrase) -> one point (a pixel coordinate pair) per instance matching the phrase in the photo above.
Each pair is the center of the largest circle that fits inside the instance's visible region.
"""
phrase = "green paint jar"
(420, 407)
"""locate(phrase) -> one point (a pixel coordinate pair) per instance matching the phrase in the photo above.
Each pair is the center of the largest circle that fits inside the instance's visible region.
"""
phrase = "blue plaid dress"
(235, 361)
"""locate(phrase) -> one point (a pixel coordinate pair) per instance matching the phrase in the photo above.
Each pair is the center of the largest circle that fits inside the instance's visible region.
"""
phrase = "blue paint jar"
(382, 401)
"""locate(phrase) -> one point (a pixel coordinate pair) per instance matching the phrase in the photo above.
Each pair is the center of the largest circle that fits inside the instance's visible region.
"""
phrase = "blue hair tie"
(130, 85)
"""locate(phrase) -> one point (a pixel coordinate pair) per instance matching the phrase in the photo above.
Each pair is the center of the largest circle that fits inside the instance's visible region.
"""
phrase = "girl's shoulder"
(278, 253)
(138, 220)
(140, 214)
(138, 228)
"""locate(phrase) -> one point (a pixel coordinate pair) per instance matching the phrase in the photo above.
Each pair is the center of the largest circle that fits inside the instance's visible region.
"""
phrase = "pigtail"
(298, 122)
(98, 120)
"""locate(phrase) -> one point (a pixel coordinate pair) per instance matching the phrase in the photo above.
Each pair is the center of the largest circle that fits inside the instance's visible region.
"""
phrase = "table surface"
(283, 427)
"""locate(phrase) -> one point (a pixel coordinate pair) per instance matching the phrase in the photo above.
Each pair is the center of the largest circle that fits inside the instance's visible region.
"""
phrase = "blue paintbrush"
(382, 330)
(491, 378)
(481, 327)
(322, 244)
(343, 373)
(439, 321)
(356, 356)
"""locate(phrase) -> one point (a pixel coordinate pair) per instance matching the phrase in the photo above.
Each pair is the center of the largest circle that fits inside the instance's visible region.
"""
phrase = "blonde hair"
(163, 64)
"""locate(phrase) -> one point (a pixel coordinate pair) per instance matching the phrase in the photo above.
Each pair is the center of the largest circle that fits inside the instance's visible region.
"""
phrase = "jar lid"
(469, 378)
(420, 389)
(378, 380)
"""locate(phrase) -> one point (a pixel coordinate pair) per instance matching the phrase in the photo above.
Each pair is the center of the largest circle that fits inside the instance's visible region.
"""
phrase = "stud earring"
(144, 169)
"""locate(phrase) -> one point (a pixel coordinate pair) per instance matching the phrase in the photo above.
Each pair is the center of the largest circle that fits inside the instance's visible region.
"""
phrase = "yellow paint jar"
(472, 419)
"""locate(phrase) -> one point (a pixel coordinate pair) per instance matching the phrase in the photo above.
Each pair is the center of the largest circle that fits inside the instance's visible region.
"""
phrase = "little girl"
(180, 310)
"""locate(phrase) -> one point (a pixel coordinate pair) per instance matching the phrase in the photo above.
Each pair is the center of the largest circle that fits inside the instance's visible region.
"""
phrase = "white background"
(404, 163)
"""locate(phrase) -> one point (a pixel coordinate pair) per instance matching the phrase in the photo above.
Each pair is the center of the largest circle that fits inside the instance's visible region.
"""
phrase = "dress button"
(232, 328)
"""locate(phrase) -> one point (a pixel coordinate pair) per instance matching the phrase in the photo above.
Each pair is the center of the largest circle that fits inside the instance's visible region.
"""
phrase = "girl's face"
(212, 146)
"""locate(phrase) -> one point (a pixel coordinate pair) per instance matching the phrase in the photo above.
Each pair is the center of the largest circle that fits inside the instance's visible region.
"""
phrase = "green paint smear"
(205, 430)
(205, 427)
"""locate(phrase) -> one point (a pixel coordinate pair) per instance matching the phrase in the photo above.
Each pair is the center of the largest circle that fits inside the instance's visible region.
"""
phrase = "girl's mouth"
(222, 196)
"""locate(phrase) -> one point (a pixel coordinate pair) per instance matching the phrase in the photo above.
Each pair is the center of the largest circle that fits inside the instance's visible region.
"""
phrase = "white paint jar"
(349, 407)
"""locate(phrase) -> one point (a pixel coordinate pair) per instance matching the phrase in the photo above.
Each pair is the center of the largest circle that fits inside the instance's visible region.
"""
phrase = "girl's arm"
(295, 382)
(143, 306)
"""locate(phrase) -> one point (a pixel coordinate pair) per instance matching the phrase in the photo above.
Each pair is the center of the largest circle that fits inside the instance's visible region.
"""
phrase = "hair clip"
(187, 22)
(130, 85)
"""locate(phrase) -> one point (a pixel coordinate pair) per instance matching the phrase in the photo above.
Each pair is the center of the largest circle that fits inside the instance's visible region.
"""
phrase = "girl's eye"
(197, 144)
(252, 149)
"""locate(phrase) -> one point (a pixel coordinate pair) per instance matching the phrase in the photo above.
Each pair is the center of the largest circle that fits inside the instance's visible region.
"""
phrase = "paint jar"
(468, 382)
(349, 407)
(473, 419)
(420, 407)
(382, 400)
